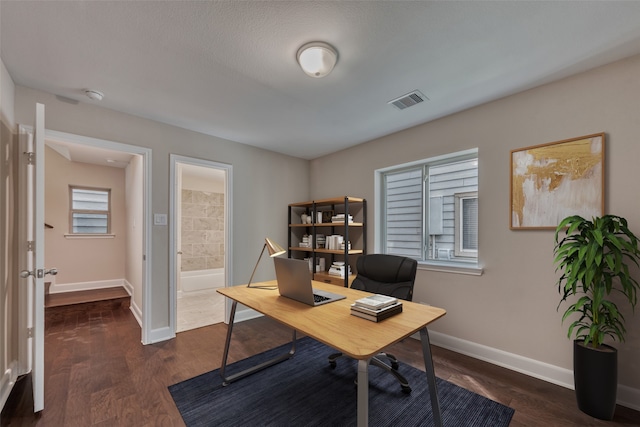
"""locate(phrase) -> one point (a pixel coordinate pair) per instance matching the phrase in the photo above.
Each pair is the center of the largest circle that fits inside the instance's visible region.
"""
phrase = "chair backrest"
(386, 274)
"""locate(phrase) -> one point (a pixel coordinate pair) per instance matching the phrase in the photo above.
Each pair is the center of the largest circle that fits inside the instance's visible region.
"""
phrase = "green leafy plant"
(594, 258)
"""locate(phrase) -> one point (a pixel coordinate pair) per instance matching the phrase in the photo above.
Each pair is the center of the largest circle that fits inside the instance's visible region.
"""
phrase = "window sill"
(89, 236)
(449, 267)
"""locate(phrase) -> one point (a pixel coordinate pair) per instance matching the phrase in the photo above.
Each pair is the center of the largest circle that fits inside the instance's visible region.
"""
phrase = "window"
(466, 222)
(429, 209)
(90, 211)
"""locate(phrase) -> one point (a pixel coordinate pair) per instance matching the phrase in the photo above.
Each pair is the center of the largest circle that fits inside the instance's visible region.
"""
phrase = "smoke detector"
(94, 95)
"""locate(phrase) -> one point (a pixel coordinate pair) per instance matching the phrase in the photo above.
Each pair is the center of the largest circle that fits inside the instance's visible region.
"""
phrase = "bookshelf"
(319, 238)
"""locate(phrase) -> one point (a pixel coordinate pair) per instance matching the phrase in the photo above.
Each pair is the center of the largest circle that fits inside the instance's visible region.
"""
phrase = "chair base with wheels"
(387, 275)
(393, 369)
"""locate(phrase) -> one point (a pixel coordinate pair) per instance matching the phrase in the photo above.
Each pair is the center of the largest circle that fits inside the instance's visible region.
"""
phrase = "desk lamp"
(274, 250)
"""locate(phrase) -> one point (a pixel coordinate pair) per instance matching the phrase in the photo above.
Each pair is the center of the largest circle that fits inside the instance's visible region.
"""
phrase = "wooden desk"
(333, 325)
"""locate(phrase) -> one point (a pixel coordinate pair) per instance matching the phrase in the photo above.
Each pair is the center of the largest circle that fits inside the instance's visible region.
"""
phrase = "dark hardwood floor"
(98, 373)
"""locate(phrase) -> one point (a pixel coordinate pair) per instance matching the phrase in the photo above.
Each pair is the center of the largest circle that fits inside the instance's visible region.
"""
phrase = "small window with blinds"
(90, 211)
(430, 209)
(466, 232)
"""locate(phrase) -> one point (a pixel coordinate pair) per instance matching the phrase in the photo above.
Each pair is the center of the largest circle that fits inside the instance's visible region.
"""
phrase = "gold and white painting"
(552, 181)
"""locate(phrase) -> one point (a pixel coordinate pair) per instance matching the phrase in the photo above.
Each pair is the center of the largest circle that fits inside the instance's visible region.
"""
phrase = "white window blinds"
(89, 211)
(470, 224)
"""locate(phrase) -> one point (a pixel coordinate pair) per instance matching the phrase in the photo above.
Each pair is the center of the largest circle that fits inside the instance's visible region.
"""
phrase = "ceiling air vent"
(408, 100)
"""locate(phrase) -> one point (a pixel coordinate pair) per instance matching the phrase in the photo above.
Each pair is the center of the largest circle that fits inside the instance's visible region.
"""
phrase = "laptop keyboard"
(319, 298)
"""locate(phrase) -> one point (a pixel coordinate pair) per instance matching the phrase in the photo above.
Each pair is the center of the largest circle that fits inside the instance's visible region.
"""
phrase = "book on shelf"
(339, 269)
(340, 218)
(376, 315)
(376, 302)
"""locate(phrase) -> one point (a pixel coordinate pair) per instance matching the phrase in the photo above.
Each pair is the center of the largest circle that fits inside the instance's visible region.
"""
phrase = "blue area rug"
(305, 391)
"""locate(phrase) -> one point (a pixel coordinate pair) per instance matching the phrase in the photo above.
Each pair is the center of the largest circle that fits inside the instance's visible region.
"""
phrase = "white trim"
(127, 286)
(136, 311)
(174, 181)
(25, 353)
(161, 334)
(458, 249)
(7, 382)
(378, 224)
(629, 397)
(89, 236)
(470, 153)
(458, 268)
(174, 160)
(147, 260)
(58, 288)
(146, 153)
(563, 377)
(246, 314)
(533, 368)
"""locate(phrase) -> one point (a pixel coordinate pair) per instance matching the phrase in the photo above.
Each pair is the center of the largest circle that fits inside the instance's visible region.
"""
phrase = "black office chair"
(388, 275)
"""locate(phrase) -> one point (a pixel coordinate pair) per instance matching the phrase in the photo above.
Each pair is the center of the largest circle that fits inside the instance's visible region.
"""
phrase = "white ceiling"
(75, 152)
(228, 68)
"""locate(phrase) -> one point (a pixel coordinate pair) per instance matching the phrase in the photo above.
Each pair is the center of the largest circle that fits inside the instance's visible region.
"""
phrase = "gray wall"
(512, 306)
(264, 182)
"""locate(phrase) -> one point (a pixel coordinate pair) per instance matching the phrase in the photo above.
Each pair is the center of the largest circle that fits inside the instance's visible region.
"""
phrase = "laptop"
(294, 281)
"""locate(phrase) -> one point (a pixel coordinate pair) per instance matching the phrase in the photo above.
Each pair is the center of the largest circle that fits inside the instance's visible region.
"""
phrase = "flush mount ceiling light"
(317, 59)
(94, 95)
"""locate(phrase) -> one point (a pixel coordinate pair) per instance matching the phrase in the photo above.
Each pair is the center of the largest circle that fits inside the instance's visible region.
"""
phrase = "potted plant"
(594, 257)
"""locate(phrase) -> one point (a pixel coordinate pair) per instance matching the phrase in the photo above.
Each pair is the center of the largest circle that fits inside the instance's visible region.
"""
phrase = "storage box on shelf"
(334, 229)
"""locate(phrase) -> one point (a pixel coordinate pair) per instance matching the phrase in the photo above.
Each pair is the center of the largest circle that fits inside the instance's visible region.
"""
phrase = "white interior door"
(34, 271)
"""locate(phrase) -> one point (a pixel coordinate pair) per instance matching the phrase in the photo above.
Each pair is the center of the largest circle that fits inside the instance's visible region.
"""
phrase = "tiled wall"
(202, 230)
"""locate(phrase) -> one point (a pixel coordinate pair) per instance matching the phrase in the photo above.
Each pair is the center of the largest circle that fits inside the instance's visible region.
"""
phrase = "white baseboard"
(533, 368)
(57, 288)
(246, 314)
(137, 312)
(627, 396)
(161, 334)
(127, 287)
(7, 381)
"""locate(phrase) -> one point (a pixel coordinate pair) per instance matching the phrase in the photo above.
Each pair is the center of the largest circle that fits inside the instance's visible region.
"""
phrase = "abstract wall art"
(552, 181)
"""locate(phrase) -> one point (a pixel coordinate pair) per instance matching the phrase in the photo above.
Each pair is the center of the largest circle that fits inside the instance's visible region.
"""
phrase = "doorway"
(200, 241)
(77, 158)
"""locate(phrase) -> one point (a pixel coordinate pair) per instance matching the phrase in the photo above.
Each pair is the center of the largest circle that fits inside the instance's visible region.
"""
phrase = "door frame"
(174, 181)
(145, 153)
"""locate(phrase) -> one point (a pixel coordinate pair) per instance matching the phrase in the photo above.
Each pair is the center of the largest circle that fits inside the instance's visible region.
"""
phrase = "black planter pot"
(595, 375)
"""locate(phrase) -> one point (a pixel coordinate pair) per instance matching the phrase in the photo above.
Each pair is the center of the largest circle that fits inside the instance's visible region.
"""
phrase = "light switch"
(159, 219)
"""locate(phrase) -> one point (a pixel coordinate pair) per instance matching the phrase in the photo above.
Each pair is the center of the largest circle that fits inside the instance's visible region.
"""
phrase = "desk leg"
(231, 378)
(363, 393)
(431, 377)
